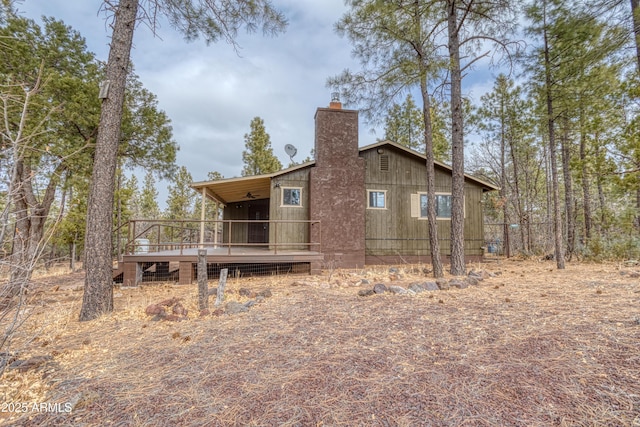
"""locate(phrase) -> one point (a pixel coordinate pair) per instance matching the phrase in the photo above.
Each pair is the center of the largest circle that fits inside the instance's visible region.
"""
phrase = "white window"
(291, 196)
(419, 205)
(377, 199)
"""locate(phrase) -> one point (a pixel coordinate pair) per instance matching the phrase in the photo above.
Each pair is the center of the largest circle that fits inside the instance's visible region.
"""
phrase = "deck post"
(131, 274)
(202, 215)
(185, 273)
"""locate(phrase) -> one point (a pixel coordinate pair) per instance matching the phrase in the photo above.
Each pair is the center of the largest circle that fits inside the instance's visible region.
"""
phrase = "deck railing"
(146, 236)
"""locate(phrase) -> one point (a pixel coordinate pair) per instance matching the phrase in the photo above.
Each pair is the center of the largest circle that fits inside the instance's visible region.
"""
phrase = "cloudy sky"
(211, 93)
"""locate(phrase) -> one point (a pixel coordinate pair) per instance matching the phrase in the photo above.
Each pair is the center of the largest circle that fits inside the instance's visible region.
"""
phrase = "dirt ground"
(531, 346)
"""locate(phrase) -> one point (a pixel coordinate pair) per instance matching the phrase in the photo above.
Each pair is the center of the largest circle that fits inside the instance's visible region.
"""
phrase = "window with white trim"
(292, 196)
(419, 205)
(376, 199)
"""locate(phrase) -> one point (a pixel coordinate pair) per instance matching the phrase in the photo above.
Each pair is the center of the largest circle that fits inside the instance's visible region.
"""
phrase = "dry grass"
(531, 347)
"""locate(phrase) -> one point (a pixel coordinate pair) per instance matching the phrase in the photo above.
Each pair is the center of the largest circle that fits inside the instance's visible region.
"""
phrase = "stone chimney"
(336, 191)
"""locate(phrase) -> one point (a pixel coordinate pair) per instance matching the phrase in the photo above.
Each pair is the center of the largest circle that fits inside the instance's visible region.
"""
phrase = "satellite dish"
(290, 150)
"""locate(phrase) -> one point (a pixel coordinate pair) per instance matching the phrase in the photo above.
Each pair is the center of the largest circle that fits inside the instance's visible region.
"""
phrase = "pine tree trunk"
(518, 202)
(503, 190)
(457, 146)
(98, 289)
(557, 219)
(568, 190)
(434, 244)
(586, 189)
(602, 207)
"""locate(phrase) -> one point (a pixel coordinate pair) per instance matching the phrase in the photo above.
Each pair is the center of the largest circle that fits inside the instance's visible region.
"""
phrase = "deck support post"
(185, 273)
(131, 274)
(202, 215)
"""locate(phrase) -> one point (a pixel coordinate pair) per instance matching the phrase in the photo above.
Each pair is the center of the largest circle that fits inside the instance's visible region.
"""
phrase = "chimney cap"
(335, 103)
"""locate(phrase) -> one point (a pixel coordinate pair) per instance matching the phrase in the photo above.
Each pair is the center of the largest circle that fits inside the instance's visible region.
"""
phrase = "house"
(352, 205)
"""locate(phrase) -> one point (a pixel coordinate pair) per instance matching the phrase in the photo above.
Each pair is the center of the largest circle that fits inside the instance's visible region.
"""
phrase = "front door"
(259, 225)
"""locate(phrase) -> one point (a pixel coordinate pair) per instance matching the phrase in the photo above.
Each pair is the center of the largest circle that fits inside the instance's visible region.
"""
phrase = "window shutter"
(415, 206)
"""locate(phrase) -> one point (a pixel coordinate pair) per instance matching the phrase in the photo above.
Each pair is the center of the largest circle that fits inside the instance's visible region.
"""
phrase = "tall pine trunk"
(434, 243)
(586, 188)
(553, 162)
(457, 145)
(98, 288)
(503, 183)
(568, 188)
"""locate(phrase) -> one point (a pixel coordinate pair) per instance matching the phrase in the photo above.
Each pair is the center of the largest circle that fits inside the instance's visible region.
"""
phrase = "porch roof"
(243, 188)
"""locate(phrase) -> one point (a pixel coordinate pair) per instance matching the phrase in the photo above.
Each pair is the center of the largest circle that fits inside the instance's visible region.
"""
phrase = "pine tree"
(213, 20)
(181, 196)
(258, 155)
(148, 203)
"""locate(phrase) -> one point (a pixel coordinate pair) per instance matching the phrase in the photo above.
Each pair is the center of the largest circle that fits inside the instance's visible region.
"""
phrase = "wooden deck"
(181, 262)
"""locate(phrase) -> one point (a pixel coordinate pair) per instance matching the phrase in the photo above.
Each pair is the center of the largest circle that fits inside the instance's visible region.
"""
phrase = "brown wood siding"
(290, 233)
(393, 231)
(239, 231)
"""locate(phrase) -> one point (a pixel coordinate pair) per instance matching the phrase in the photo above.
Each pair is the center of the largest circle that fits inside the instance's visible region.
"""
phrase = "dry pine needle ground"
(531, 347)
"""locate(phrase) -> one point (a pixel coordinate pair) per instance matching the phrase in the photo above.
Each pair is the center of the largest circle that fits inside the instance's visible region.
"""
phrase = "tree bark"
(98, 289)
(503, 182)
(30, 218)
(457, 145)
(557, 219)
(434, 243)
(568, 189)
(586, 188)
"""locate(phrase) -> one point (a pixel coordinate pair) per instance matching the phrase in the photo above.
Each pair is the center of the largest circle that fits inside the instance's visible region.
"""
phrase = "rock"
(179, 310)
(398, 290)
(365, 292)
(442, 284)
(265, 294)
(244, 292)
(634, 275)
(416, 287)
(379, 288)
(234, 307)
(169, 302)
(205, 312)
(478, 275)
(174, 318)
(250, 303)
(472, 280)
(155, 309)
(217, 312)
(423, 286)
(394, 270)
(431, 286)
(213, 291)
(458, 283)
(364, 282)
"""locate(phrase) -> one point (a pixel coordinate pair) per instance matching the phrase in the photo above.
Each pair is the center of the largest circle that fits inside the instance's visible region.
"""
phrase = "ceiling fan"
(251, 196)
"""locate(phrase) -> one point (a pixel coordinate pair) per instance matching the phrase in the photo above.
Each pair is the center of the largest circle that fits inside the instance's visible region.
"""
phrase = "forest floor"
(530, 346)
